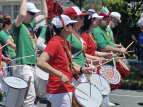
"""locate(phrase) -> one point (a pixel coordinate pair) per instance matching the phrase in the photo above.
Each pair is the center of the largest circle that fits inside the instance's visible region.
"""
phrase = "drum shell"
(14, 97)
(40, 85)
(124, 72)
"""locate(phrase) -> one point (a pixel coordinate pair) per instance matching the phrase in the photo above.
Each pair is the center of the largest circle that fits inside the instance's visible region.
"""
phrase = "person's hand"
(141, 45)
(6, 60)
(88, 70)
(123, 50)
(102, 60)
(110, 55)
(64, 79)
(118, 46)
(133, 37)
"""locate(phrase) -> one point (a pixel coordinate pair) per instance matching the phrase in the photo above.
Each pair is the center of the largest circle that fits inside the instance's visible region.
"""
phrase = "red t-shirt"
(60, 62)
(90, 44)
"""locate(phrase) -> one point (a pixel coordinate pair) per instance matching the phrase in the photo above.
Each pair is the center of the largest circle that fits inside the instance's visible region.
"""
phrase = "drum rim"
(104, 79)
(38, 75)
(90, 84)
(14, 87)
(125, 63)
(116, 71)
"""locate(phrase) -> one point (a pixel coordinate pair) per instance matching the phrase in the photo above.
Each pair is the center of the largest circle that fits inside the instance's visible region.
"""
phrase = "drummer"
(103, 39)
(6, 38)
(22, 29)
(59, 66)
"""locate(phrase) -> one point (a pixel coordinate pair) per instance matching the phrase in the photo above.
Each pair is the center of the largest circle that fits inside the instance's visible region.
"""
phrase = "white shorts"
(60, 100)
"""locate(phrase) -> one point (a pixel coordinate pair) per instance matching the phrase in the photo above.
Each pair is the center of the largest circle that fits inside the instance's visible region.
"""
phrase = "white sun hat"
(116, 15)
(32, 8)
(58, 22)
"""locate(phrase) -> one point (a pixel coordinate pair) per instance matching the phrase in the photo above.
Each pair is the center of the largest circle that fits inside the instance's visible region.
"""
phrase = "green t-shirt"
(42, 34)
(24, 45)
(102, 40)
(76, 48)
(109, 31)
(4, 36)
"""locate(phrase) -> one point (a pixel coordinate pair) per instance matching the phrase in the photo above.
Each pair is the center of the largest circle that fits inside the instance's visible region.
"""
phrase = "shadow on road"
(141, 104)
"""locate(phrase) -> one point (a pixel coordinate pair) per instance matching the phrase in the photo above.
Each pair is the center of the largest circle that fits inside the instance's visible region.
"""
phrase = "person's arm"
(115, 50)
(22, 13)
(104, 54)
(10, 44)
(134, 38)
(44, 12)
(40, 44)
(43, 65)
(6, 60)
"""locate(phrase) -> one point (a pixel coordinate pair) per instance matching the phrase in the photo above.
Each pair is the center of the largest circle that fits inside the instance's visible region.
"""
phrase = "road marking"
(126, 95)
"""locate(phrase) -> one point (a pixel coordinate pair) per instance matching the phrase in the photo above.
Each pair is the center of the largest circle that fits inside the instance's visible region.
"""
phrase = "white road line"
(126, 95)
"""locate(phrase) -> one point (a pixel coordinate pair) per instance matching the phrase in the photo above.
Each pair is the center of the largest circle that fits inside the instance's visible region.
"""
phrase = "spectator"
(1, 24)
(0, 14)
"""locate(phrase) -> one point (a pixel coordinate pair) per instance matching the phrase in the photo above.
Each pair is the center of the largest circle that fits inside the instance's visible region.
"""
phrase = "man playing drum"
(105, 44)
(22, 29)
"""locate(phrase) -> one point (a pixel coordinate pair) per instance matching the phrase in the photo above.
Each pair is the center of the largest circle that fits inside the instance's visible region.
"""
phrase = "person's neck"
(110, 24)
(25, 21)
(4, 29)
(91, 29)
(63, 36)
(76, 29)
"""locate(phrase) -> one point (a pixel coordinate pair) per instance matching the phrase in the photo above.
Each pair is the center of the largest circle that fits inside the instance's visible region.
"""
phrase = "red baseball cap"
(73, 11)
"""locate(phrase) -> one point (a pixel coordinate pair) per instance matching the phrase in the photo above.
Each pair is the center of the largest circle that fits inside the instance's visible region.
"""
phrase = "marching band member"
(59, 66)
(25, 40)
(6, 38)
(103, 39)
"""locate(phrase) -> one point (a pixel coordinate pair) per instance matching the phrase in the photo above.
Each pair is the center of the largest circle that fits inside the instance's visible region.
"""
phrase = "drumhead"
(101, 84)
(94, 98)
(15, 82)
(41, 74)
(110, 74)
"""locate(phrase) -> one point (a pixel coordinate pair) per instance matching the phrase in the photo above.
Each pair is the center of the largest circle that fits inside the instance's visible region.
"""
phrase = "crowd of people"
(71, 43)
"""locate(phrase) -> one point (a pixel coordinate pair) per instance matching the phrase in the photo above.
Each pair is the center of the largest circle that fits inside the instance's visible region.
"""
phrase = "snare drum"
(123, 67)
(101, 84)
(41, 80)
(94, 98)
(14, 90)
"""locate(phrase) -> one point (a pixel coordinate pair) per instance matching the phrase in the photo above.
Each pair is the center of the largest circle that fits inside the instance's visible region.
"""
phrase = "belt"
(31, 64)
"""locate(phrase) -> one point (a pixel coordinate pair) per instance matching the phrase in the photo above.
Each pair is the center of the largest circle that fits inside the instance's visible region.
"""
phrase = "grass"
(133, 79)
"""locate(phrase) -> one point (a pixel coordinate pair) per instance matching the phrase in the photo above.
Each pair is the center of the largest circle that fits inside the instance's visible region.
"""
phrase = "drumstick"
(28, 87)
(78, 89)
(130, 51)
(22, 57)
(127, 54)
(130, 44)
(4, 45)
(113, 60)
(92, 75)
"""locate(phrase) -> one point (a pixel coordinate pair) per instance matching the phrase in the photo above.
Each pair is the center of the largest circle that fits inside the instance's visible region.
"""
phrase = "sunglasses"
(81, 17)
(70, 24)
(31, 13)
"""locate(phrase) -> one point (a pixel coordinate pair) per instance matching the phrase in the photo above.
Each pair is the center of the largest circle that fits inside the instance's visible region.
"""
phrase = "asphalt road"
(123, 98)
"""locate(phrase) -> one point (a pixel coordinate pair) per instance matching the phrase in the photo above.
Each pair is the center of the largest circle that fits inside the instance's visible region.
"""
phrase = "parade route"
(123, 98)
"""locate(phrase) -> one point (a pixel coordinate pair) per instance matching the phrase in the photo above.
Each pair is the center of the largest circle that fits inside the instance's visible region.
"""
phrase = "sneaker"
(111, 104)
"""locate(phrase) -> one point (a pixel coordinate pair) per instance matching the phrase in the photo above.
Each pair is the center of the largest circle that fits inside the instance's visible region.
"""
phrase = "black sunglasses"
(70, 24)
(31, 13)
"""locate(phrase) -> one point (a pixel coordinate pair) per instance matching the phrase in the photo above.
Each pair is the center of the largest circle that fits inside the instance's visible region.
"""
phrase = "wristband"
(81, 70)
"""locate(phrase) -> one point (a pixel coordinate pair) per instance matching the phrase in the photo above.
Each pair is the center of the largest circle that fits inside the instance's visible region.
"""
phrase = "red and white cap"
(73, 11)
(32, 8)
(57, 21)
(116, 15)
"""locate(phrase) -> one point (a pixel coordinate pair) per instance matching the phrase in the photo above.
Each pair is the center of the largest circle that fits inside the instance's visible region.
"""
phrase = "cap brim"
(35, 10)
(82, 14)
(95, 15)
(73, 21)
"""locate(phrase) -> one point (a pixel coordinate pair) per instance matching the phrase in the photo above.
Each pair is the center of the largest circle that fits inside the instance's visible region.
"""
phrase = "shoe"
(111, 104)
